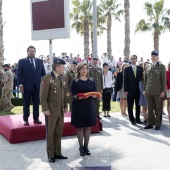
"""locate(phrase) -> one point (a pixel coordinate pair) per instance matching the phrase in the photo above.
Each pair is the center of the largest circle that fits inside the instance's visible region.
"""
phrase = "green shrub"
(17, 101)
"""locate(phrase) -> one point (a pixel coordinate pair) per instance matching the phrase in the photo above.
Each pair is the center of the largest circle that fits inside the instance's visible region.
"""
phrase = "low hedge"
(19, 102)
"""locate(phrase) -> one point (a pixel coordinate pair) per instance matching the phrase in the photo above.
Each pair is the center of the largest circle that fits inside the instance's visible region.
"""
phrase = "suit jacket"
(155, 79)
(53, 95)
(131, 83)
(28, 77)
(119, 81)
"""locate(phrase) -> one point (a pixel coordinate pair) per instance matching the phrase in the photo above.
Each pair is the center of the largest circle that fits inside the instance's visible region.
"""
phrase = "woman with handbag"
(107, 89)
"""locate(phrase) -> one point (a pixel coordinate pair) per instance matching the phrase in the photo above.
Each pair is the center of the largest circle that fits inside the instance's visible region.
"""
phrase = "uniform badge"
(51, 80)
(42, 82)
(148, 67)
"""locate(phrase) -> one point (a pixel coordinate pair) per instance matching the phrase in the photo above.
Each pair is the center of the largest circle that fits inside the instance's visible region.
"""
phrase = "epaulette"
(91, 78)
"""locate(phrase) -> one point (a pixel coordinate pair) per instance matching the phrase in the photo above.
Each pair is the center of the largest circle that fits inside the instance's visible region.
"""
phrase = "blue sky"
(17, 35)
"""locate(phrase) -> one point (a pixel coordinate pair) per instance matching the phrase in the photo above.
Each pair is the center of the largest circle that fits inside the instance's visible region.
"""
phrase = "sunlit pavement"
(120, 145)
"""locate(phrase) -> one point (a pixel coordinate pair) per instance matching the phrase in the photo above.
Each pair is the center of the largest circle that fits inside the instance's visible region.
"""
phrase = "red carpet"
(12, 128)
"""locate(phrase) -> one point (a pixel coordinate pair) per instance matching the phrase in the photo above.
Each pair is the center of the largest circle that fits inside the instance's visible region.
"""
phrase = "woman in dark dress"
(83, 110)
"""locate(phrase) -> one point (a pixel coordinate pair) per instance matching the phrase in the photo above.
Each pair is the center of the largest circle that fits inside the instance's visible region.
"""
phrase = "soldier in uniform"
(7, 89)
(95, 72)
(154, 89)
(53, 100)
(70, 75)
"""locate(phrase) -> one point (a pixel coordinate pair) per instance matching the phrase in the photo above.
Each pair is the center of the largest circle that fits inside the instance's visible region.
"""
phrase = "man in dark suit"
(132, 75)
(29, 73)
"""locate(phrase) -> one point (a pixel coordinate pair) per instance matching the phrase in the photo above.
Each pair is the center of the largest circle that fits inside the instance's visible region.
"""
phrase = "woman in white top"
(107, 89)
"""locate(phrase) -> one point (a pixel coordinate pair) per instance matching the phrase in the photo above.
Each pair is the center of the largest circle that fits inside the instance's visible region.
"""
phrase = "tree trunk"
(156, 41)
(127, 29)
(86, 38)
(92, 42)
(1, 38)
(109, 43)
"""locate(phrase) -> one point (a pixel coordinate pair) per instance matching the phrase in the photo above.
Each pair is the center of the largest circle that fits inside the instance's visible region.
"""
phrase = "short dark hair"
(31, 47)
(135, 56)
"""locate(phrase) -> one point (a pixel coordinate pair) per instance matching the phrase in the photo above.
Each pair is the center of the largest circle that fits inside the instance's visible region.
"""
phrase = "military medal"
(51, 80)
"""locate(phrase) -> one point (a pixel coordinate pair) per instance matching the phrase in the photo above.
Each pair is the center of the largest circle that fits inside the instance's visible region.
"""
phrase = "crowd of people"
(143, 83)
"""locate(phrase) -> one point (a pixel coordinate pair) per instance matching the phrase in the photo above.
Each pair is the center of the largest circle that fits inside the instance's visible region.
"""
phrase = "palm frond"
(142, 26)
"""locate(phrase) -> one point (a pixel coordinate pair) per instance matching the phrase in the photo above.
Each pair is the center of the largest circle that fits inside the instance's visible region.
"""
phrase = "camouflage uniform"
(1, 84)
(7, 91)
(96, 74)
(70, 75)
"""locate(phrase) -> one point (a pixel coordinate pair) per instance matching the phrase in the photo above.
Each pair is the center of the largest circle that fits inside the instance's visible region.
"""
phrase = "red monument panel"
(48, 15)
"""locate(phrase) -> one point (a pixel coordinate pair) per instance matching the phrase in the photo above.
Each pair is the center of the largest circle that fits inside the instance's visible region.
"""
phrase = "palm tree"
(110, 10)
(158, 21)
(127, 29)
(82, 16)
(1, 38)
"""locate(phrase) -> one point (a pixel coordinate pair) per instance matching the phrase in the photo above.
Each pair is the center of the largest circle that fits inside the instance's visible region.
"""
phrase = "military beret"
(74, 62)
(5, 65)
(155, 53)
(59, 61)
(105, 64)
(95, 58)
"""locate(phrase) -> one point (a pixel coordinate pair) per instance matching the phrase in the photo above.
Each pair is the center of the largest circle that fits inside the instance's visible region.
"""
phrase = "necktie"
(32, 64)
(134, 70)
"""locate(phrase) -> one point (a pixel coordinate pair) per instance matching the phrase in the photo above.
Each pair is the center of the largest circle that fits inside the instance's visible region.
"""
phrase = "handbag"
(109, 90)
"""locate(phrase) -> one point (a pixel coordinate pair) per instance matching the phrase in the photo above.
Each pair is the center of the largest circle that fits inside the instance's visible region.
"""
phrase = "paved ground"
(120, 145)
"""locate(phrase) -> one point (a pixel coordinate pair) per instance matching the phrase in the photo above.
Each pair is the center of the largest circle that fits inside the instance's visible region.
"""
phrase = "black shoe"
(163, 113)
(148, 127)
(26, 123)
(99, 117)
(108, 116)
(104, 115)
(82, 152)
(37, 122)
(133, 123)
(52, 160)
(145, 122)
(60, 157)
(157, 128)
(87, 152)
(139, 122)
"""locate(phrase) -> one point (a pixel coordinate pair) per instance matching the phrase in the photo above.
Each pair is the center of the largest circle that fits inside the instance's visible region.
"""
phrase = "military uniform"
(70, 75)
(96, 75)
(7, 91)
(154, 84)
(1, 85)
(53, 98)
